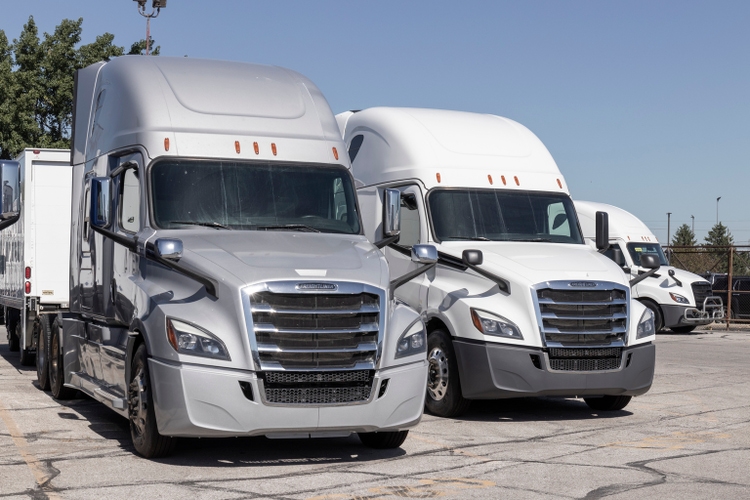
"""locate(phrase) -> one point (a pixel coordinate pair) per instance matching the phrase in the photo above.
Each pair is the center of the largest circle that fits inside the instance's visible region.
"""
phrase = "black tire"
(658, 317)
(143, 429)
(14, 342)
(43, 331)
(608, 403)
(56, 370)
(444, 398)
(683, 329)
(383, 440)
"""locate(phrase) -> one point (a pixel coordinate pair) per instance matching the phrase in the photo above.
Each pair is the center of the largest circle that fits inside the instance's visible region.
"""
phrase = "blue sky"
(643, 104)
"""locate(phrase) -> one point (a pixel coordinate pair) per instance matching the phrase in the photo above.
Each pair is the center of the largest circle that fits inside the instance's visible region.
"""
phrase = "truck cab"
(679, 299)
(518, 305)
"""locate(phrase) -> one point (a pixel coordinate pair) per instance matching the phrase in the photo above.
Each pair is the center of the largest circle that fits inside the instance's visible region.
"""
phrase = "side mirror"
(650, 261)
(101, 197)
(472, 257)
(11, 193)
(602, 230)
(424, 254)
(392, 212)
(169, 248)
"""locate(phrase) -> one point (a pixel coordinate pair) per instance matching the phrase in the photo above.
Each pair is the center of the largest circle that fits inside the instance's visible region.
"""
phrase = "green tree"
(139, 48)
(719, 236)
(684, 236)
(36, 83)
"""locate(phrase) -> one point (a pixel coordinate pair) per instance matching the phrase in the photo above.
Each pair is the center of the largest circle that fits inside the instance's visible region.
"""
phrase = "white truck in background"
(221, 283)
(519, 304)
(34, 246)
(680, 300)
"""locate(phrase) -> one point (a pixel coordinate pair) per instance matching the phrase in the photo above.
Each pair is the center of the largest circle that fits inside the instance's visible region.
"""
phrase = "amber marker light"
(515, 178)
(256, 148)
(477, 322)
(502, 178)
(273, 148)
(489, 178)
(559, 183)
(166, 144)
(171, 336)
(437, 176)
(335, 153)
(237, 147)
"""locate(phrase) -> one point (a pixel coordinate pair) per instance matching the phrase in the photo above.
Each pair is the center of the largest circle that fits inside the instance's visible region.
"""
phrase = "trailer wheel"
(444, 397)
(42, 330)
(683, 329)
(608, 403)
(14, 342)
(56, 372)
(143, 429)
(383, 440)
(658, 317)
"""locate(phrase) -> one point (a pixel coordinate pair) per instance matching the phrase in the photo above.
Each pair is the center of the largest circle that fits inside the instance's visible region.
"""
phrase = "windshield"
(637, 249)
(253, 196)
(498, 215)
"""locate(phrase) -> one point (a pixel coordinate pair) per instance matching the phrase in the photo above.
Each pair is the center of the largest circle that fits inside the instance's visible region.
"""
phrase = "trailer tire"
(658, 317)
(143, 429)
(683, 329)
(608, 403)
(56, 367)
(383, 440)
(42, 329)
(444, 397)
(14, 342)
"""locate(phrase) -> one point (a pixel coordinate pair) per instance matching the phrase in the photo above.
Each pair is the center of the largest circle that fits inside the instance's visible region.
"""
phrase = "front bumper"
(496, 371)
(200, 401)
(690, 316)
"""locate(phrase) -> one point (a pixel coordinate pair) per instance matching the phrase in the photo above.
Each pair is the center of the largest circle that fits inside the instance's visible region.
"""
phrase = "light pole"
(669, 216)
(717, 210)
(156, 6)
(692, 224)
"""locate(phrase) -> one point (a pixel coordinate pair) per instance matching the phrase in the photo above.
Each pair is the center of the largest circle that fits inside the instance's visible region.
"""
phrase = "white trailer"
(518, 305)
(35, 255)
(680, 300)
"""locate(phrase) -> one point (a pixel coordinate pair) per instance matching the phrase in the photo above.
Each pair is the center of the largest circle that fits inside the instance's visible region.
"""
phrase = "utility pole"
(692, 225)
(717, 210)
(156, 6)
(669, 216)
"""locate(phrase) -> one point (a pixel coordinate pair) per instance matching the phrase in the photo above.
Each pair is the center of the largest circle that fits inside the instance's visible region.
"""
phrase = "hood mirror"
(169, 248)
(424, 254)
(472, 257)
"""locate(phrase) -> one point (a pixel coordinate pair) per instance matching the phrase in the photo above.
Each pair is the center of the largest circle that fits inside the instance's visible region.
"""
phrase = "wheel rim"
(137, 402)
(437, 381)
(53, 361)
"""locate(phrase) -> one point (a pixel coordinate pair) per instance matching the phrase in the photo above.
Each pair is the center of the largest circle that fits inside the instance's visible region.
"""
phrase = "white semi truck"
(680, 300)
(220, 280)
(519, 304)
(34, 246)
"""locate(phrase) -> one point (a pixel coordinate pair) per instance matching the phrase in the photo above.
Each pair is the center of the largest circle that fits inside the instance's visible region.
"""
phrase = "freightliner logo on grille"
(585, 284)
(316, 286)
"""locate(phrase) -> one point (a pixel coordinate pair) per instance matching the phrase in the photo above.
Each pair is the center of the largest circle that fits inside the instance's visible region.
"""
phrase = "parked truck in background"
(680, 300)
(519, 304)
(220, 280)
(34, 246)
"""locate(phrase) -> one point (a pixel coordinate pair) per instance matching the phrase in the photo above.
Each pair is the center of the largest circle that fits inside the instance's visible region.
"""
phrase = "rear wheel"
(11, 324)
(143, 429)
(608, 403)
(683, 329)
(383, 440)
(658, 317)
(42, 330)
(56, 371)
(444, 397)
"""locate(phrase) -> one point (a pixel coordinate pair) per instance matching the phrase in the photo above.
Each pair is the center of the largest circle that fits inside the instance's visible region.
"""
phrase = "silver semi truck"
(221, 282)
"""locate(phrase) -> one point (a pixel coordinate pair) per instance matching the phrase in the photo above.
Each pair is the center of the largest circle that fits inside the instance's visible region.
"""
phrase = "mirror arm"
(671, 274)
(410, 276)
(9, 221)
(503, 285)
(200, 278)
(643, 276)
(387, 241)
(129, 243)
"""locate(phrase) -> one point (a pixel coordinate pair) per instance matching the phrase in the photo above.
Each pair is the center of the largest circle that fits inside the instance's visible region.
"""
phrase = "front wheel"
(608, 403)
(56, 370)
(683, 329)
(143, 429)
(42, 329)
(444, 397)
(383, 440)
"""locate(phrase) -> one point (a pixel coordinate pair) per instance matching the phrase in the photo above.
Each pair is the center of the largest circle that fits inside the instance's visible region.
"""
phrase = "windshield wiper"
(472, 238)
(216, 225)
(544, 240)
(291, 227)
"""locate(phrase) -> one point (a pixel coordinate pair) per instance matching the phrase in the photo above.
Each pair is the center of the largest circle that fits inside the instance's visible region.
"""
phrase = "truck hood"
(240, 258)
(532, 262)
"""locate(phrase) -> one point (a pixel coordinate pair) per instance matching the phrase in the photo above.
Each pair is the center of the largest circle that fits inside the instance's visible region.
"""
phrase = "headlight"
(646, 326)
(679, 298)
(492, 324)
(189, 339)
(413, 341)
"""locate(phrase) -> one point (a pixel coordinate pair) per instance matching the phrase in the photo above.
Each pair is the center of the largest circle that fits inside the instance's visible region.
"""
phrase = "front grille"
(589, 317)
(585, 360)
(317, 388)
(701, 290)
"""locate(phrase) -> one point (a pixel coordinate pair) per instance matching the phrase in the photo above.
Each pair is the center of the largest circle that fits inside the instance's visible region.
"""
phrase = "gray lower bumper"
(493, 371)
(675, 316)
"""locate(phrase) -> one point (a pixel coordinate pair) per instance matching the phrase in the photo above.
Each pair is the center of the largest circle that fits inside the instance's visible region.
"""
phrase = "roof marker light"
(166, 144)
(273, 148)
(515, 178)
(489, 178)
(502, 178)
(335, 153)
(559, 183)
(437, 176)
(256, 148)
(237, 146)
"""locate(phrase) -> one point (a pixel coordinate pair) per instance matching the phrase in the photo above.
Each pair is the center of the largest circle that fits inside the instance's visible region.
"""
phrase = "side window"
(130, 201)
(558, 220)
(339, 199)
(409, 220)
